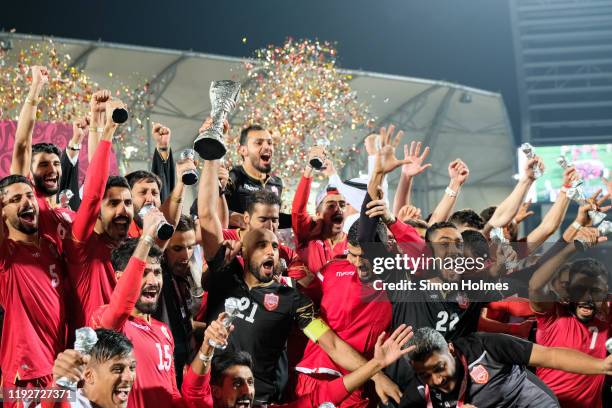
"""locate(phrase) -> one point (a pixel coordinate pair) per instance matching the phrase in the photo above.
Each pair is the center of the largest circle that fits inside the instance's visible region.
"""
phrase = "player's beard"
(21, 227)
(148, 307)
(264, 168)
(255, 270)
(40, 186)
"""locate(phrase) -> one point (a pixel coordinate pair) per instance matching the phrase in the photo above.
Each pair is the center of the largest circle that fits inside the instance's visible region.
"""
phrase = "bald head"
(260, 251)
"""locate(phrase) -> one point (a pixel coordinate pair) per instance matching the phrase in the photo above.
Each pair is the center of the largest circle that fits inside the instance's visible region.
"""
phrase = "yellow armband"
(315, 329)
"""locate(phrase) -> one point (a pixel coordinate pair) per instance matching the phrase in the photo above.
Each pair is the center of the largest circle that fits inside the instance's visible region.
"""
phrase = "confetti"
(244, 40)
(66, 96)
(296, 92)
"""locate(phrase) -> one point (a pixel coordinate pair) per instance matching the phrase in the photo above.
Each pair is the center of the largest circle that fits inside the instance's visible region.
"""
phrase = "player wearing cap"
(319, 239)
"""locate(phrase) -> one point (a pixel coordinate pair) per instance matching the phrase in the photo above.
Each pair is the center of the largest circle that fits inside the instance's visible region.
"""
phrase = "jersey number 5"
(165, 359)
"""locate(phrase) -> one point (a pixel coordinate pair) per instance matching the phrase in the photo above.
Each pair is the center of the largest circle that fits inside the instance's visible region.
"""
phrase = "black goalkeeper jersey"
(267, 315)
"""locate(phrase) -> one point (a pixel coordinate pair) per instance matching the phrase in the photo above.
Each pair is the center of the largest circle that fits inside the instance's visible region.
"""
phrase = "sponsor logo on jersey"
(344, 273)
(139, 326)
(250, 187)
(479, 374)
(271, 301)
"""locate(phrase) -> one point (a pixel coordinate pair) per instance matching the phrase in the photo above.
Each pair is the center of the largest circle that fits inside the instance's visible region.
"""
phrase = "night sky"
(461, 41)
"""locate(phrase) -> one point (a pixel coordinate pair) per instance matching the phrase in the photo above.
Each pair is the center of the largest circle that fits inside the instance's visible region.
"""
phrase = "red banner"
(57, 133)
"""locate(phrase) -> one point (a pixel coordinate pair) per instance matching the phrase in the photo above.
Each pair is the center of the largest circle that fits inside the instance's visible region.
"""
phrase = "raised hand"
(70, 364)
(389, 351)
(184, 165)
(151, 221)
(409, 212)
(569, 175)
(531, 164)
(217, 332)
(415, 166)
(589, 236)
(98, 101)
(523, 212)
(328, 168)
(458, 171)
(378, 208)
(78, 129)
(40, 76)
(110, 107)
(386, 161)
(208, 123)
(161, 135)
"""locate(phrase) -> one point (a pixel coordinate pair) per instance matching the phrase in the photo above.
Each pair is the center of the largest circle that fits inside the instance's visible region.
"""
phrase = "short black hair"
(265, 197)
(122, 254)
(438, 225)
(416, 223)
(588, 266)
(244, 133)
(222, 362)
(13, 179)
(48, 148)
(487, 213)
(185, 223)
(426, 341)
(110, 344)
(143, 175)
(115, 181)
(476, 242)
(467, 217)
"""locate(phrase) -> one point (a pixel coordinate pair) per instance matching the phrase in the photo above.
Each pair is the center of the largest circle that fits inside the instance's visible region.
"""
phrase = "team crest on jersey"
(164, 330)
(271, 301)
(462, 300)
(274, 189)
(479, 374)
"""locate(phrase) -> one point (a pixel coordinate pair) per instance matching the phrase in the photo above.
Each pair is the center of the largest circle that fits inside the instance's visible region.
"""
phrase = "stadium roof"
(454, 120)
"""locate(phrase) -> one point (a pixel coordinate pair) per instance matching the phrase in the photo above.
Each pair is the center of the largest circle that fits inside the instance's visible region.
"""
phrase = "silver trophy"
(609, 345)
(189, 177)
(603, 229)
(527, 149)
(223, 98)
(317, 162)
(64, 198)
(232, 308)
(164, 229)
(86, 339)
(576, 193)
(498, 237)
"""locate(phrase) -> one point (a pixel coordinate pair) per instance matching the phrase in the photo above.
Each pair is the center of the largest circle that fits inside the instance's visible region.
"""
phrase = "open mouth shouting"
(121, 393)
(122, 223)
(149, 294)
(243, 402)
(50, 181)
(27, 217)
(586, 309)
(267, 267)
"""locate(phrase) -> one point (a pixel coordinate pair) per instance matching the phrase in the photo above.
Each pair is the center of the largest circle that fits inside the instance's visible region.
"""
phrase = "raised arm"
(539, 299)
(508, 208)
(208, 197)
(409, 171)
(95, 180)
(173, 206)
(301, 221)
(163, 163)
(553, 218)
(22, 149)
(572, 361)
(97, 117)
(126, 293)
(70, 164)
(458, 172)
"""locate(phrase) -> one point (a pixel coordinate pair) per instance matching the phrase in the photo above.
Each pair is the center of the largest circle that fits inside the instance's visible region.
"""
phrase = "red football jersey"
(356, 312)
(562, 329)
(155, 383)
(88, 253)
(31, 292)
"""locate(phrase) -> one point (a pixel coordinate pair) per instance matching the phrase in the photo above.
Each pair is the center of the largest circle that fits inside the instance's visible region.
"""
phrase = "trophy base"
(189, 178)
(210, 147)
